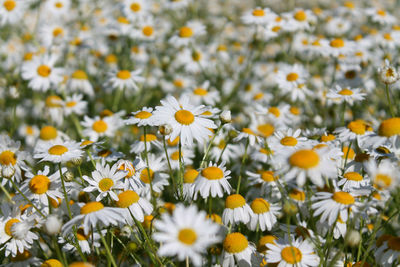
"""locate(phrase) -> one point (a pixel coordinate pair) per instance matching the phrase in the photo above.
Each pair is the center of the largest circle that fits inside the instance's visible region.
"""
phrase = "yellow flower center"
(212, 173)
(381, 12)
(389, 127)
(57, 150)
(111, 58)
(105, 184)
(52, 263)
(175, 155)
(135, 7)
(100, 126)
(39, 184)
(289, 141)
(304, 159)
(297, 195)
(80, 234)
(190, 176)
(291, 77)
(123, 20)
(70, 104)
(357, 127)
(58, 31)
(291, 254)
(353, 176)
(187, 236)
(200, 91)
(258, 96)
(300, 15)
(266, 129)
(387, 37)
(86, 143)
(258, 12)
(149, 138)
(248, 131)
(345, 92)
(234, 201)
(9, 224)
(28, 56)
(127, 198)
(178, 83)
(348, 152)
(143, 115)
(79, 75)
(235, 243)
(343, 198)
(144, 176)
(123, 74)
(147, 31)
(185, 32)
(295, 110)
(44, 70)
(53, 101)
(260, 205)
(59, 5)
(184, 117)
(275, 111)
(48, 133)
(91, 207)
(327, 138)
(268, 176)
(349, 5)
(9, 5)
(8, 157)
(337, 43)
(382, 180)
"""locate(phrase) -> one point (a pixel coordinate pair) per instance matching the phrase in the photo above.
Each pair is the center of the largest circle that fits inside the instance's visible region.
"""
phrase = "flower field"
(199, 133)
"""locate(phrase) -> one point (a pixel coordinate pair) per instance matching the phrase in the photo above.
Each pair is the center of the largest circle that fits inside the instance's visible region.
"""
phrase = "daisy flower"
(352, 180)
(125, 79)
(23, 259)
(41, 73)
(185, 233)
(93, 214)
(187, 156)
(263, 215)
(236, 210)
(134, 206)
(57, 8)
(132, 170)
(53, 34)
(297, 252)
(75, 105)
(286, 141)
(104, 180)
(154, 175)
(203, 94)
(237, 250)
(339, 47)
(188, 33)
(383, 175)
(380, 16)
(354, 131)
(213, 180)
(185, 119)
(135, 9)
(388, 74)
(151, 142)
(267, 180)
(250, 135)
(189, 177)
(259, 16)
(292, 78)
(30, 133)
(349, 95)
(84, 241)
(11, 11)
(79, 82)
(142, 117)
(11, 157)
(99, 127)
(299, 19)
(58, 152)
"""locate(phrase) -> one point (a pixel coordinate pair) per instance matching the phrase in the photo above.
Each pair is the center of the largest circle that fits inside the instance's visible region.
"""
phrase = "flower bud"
(68, 176)
(165, 129)
(77, 161)
(388, 74)
(225, 116)
(126, 231)
(53, 224)
(352, 238)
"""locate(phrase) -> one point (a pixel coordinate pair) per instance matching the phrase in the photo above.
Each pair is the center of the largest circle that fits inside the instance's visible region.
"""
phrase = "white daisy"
(58, 152)
(236, 210)
(124, 79)
(237, 251)
(263, 215)
(213, 180)
(142, 117)
(134, 206)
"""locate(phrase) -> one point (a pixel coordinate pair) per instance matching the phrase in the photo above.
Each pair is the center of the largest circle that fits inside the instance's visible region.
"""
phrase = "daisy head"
(236, 210)
(237, 249)
(58, 152)
(213, 180)
(134, 205)
(142, 117)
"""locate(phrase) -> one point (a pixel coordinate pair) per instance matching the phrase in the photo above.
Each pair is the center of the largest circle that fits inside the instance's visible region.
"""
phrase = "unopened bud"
(352, 238)
(53, 224)
(232, 134)
(68, 176)
(290, 208)
(77, 161)
(165, 129)
(8, 171)
(225, 116)
(126, 231)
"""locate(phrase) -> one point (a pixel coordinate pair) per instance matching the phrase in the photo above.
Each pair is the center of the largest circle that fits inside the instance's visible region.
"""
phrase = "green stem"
(181, 167)
(209, 147)
(30, 202)
(65, 192)
(241, 167)
(169, 165)
(389, 101)
(148, 168)
(108, 251)
(6, 193)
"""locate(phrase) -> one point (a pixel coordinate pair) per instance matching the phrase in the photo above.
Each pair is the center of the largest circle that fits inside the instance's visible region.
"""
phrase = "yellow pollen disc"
(389, 127)
(343, 198)
(123, 20)
(52, 263)
(175, 155)
(187, 236)
(295, 110)
(212, 173)
(9, 5)
(349, 152)
(147, 31)
(387, 37)
(353, 176)
(291, 77)
(59, 5)
(39, 184)
(297, 195)
(135, 7)
(200, 91)
(100, 126)
(178, 83)
(357, 127)
(382, 180)
(143, 115)
(234, 201)
(173, 142)
(184, 117)
(185, 32)
(29, 130)
(235, 243)
(43, 70)
(105, 184)
(349, 5)
(80, 234)
(53, 101)
(71, 104)
(215, 218)
(111, 58)
(127, 198)
(28, 56)
(376, 195)
(291, 254)
(8, 157)
(9, 224)
(275, 111)
(248, 131)
(91, 207)
(260, 205)
(144, 176)
(337, 43)
(266, 130)
(258, 13)
(190, 176)
(394, 243)
(327, 138)
(86, 143)
(58, 31)
(381, 12)
(104, 153)
(288, 141)
(345, 92)
(149, 138)
(79, 75)
(304, 159)
(123, 74)
(196, 56)
(57, 150)
(300, 15)
(276, 28)
(268, 176)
